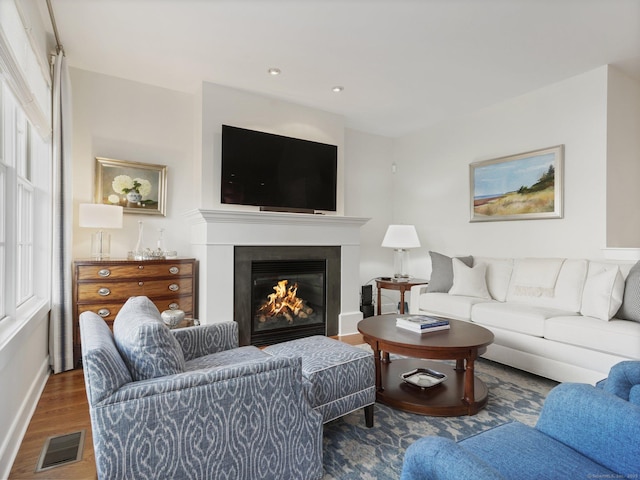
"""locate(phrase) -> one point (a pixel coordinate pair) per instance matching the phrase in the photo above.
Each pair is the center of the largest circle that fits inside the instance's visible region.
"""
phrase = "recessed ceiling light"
(337, 89)
(274, 71)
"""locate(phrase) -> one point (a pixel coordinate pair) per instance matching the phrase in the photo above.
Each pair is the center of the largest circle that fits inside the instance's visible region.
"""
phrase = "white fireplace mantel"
(215, 233)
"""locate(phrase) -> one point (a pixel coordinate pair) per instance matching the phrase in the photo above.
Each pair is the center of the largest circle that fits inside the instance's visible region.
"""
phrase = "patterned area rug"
(353, 451)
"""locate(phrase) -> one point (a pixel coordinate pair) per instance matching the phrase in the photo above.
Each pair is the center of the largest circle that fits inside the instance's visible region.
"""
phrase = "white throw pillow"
(603, 291)
(498, 275)
(469, 281)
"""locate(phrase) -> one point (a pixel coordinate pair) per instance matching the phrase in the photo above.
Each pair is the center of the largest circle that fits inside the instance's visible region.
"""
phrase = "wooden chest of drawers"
(104, 286)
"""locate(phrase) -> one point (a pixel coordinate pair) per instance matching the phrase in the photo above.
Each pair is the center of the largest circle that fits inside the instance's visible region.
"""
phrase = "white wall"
(432, 183)
(126, 120)
(368, 193)
(24, 369)
(623, 160)
(229, 106)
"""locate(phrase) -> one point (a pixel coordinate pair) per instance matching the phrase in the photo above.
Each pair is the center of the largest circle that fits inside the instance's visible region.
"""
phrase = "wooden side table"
(397, 284)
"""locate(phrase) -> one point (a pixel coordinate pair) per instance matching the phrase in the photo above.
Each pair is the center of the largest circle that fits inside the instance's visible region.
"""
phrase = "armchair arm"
(622, 379)
(184, 383)
(414, 299)
(205, 339)
(436, 458)
(595, 423)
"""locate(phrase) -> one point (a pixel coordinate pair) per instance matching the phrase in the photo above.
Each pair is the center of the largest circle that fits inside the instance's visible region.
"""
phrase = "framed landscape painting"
(518, 187)
(138, 187)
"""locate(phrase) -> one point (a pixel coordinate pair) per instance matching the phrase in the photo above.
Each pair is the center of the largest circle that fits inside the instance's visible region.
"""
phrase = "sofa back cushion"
(548, 282)
(499, 272)
(146, 344)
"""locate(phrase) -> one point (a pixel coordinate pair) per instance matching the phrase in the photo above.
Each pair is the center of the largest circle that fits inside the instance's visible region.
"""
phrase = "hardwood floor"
(62, 409)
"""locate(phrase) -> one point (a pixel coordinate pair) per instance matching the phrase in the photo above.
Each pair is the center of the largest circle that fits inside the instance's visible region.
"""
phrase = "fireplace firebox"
(284, 293)
(287, 295)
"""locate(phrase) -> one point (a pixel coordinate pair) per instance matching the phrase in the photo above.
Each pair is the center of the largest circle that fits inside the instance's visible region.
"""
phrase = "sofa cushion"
(469, 281)
(225, 358)
(146, 344)
(630, 308)
(619, 337)
(449, 306)
(516, 317)
(499, 272)
(441, 279)
(603, 291)
(567, 293)
(538, 456)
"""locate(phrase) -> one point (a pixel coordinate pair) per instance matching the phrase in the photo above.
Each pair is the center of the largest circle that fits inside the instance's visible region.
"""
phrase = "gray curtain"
(61, 317)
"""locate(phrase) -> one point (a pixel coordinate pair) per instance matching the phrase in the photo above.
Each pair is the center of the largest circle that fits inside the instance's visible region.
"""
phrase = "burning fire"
(284, 302)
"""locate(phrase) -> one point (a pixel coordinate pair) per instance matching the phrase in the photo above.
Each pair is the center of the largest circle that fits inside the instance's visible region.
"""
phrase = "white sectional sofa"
(553, 317)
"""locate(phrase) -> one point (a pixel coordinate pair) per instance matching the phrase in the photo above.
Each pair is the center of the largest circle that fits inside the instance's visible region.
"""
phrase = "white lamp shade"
(401, 237)
(96, 215)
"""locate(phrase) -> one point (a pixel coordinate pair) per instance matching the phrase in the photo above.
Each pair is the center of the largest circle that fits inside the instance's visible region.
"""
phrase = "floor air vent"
(61, 450)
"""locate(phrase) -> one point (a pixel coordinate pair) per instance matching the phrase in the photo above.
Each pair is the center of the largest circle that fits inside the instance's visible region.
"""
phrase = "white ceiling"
(404, 64)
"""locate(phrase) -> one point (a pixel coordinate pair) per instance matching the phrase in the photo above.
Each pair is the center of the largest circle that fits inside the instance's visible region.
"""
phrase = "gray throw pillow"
(630, 308)
(146, 344)
(442, 272)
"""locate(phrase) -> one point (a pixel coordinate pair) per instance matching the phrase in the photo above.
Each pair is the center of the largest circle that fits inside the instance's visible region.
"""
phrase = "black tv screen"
(280, 172)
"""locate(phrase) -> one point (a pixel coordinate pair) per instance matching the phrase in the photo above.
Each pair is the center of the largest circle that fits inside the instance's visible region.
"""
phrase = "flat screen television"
(277, 172)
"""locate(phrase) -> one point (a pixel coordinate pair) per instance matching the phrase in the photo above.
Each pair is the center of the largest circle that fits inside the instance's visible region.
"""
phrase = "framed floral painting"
(138, 187)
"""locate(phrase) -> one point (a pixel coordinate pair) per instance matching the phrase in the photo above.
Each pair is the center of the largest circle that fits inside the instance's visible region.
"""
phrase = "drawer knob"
(104, 291)
(174, 287)
(104, 312)
(173, 306)
(104, 272)
(140, 284)
(140, 267)
(174, 270)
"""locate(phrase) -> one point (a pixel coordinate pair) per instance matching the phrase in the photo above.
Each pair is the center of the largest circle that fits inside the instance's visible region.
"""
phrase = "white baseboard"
(11, 445)
(348, 322)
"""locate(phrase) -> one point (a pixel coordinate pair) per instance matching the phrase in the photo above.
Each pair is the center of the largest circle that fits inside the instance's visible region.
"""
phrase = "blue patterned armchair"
(582, 432)
(191, 404)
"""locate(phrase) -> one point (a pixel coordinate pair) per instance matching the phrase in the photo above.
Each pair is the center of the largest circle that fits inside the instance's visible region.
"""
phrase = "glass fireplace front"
(288, 300)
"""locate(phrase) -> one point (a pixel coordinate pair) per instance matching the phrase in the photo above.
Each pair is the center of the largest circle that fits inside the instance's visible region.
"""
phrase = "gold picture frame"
(138, 187)
(525, 186)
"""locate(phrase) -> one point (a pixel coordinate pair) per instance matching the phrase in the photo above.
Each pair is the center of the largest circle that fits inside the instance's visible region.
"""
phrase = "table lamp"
(401, 238)
(100, 216)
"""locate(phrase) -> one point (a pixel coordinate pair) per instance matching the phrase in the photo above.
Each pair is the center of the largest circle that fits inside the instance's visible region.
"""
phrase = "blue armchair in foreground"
(191, 404)
(583, 432)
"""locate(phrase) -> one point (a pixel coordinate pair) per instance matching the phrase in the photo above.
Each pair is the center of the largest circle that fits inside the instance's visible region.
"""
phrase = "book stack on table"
(422, 323)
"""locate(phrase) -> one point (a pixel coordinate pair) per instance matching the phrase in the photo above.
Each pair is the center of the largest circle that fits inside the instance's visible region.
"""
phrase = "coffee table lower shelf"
(443, 400)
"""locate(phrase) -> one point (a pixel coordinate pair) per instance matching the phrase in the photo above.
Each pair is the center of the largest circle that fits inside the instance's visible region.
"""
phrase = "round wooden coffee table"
(460, 394)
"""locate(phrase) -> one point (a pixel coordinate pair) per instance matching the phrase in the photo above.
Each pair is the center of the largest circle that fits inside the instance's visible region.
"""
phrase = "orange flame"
(284, 302)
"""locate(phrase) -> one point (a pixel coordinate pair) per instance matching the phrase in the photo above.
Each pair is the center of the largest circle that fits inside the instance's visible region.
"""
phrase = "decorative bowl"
(172, 318)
